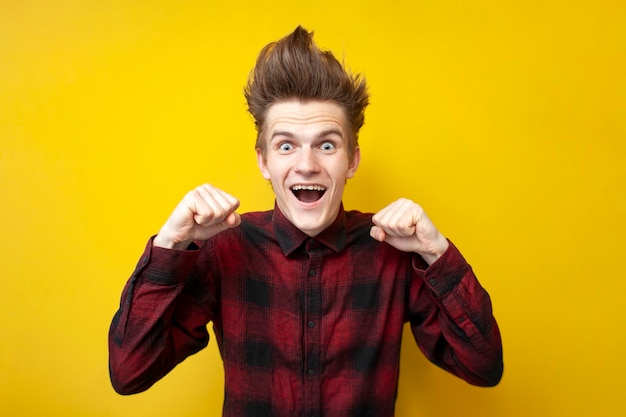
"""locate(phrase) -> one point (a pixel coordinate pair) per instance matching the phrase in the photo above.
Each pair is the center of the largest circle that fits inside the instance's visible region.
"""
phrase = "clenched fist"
(404, 225)
(204, 212)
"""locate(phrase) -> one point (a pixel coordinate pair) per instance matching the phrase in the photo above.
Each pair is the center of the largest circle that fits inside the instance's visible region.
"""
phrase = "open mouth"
(308, 193)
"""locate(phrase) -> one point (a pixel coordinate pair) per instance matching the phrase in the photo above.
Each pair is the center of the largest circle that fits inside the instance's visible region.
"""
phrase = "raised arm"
(170, 296)
(449, 311)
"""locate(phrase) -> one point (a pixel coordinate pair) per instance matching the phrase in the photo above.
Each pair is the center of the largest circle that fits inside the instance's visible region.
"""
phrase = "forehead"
(298, 115)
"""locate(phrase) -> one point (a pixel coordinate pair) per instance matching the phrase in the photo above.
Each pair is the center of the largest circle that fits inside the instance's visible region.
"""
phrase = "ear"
(260, 159)
(354, 164)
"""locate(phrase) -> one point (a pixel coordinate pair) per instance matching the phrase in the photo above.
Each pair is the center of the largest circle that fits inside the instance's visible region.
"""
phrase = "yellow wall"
(504, 119)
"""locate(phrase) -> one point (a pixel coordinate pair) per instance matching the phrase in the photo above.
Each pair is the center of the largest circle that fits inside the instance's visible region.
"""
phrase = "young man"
(308, 301)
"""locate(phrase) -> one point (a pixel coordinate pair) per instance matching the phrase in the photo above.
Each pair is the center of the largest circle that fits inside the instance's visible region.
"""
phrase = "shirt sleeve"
(160, 320)
(452, 321)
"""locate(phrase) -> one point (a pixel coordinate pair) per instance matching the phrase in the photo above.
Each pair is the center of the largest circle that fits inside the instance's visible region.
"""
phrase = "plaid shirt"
(305, 326)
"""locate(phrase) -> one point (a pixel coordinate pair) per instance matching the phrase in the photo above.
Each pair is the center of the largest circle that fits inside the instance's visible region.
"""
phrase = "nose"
(307, 162)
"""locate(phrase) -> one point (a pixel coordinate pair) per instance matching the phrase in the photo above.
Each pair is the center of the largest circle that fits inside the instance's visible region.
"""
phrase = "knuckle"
(220, 213)
(193, 194)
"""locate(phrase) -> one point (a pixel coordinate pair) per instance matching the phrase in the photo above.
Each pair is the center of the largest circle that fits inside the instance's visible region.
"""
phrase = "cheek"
(275, 174)
(341, 173)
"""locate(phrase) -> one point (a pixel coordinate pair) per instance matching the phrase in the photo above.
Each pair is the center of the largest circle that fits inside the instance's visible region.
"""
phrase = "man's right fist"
(204, 212)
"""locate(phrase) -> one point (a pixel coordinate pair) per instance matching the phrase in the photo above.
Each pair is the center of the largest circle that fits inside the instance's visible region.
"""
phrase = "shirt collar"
(290, 237)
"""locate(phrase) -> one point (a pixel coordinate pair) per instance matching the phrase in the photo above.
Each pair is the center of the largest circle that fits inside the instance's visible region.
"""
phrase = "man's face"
(306, 160)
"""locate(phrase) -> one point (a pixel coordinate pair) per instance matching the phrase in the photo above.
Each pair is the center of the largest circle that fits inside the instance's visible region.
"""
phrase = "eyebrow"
(322, 134)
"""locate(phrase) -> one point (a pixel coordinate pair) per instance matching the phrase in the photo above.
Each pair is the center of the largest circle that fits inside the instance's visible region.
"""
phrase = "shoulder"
(257, 218)
(358, 220)
(358, 225)
(257, 225)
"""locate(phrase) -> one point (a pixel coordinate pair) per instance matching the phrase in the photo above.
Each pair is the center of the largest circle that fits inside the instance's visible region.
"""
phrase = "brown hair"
(294, 68)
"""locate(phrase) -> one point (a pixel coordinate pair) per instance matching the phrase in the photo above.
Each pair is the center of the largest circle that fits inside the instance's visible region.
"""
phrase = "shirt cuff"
(445, 273)
(166, 266)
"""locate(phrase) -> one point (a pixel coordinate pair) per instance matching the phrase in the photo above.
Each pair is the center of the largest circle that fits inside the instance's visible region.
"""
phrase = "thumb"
(233, 220)
(378, 233)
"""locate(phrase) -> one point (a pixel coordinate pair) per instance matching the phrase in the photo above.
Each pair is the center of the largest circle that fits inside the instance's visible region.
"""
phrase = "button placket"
(312, 314)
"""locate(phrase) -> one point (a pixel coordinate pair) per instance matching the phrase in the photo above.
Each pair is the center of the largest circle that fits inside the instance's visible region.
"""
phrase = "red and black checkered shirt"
(305, 326)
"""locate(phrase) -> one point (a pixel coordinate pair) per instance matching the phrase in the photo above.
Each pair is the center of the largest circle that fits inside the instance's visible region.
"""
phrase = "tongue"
(309, 196)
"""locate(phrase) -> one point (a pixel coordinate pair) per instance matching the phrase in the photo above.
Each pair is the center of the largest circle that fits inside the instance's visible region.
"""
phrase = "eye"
(285, 147)
(328, 146)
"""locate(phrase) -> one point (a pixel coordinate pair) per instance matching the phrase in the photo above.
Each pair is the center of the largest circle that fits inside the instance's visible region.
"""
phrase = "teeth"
(308, 187)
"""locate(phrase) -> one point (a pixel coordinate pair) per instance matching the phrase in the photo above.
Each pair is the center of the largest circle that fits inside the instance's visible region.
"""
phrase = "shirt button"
(312, 273)
(311, 324)
(310, 372)
(432, 281)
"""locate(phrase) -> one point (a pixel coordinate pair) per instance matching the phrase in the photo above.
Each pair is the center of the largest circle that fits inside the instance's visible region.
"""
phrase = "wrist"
(436, 252)
(163, 241)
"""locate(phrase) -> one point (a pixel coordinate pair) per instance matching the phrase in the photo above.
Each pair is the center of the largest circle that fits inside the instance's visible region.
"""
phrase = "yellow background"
(504, 119)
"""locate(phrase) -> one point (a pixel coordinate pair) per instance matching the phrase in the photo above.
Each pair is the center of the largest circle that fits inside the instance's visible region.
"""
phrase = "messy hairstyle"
(294, 68)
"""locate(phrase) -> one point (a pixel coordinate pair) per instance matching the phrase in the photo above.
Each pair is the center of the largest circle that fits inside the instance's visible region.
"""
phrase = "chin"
(310, 220)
